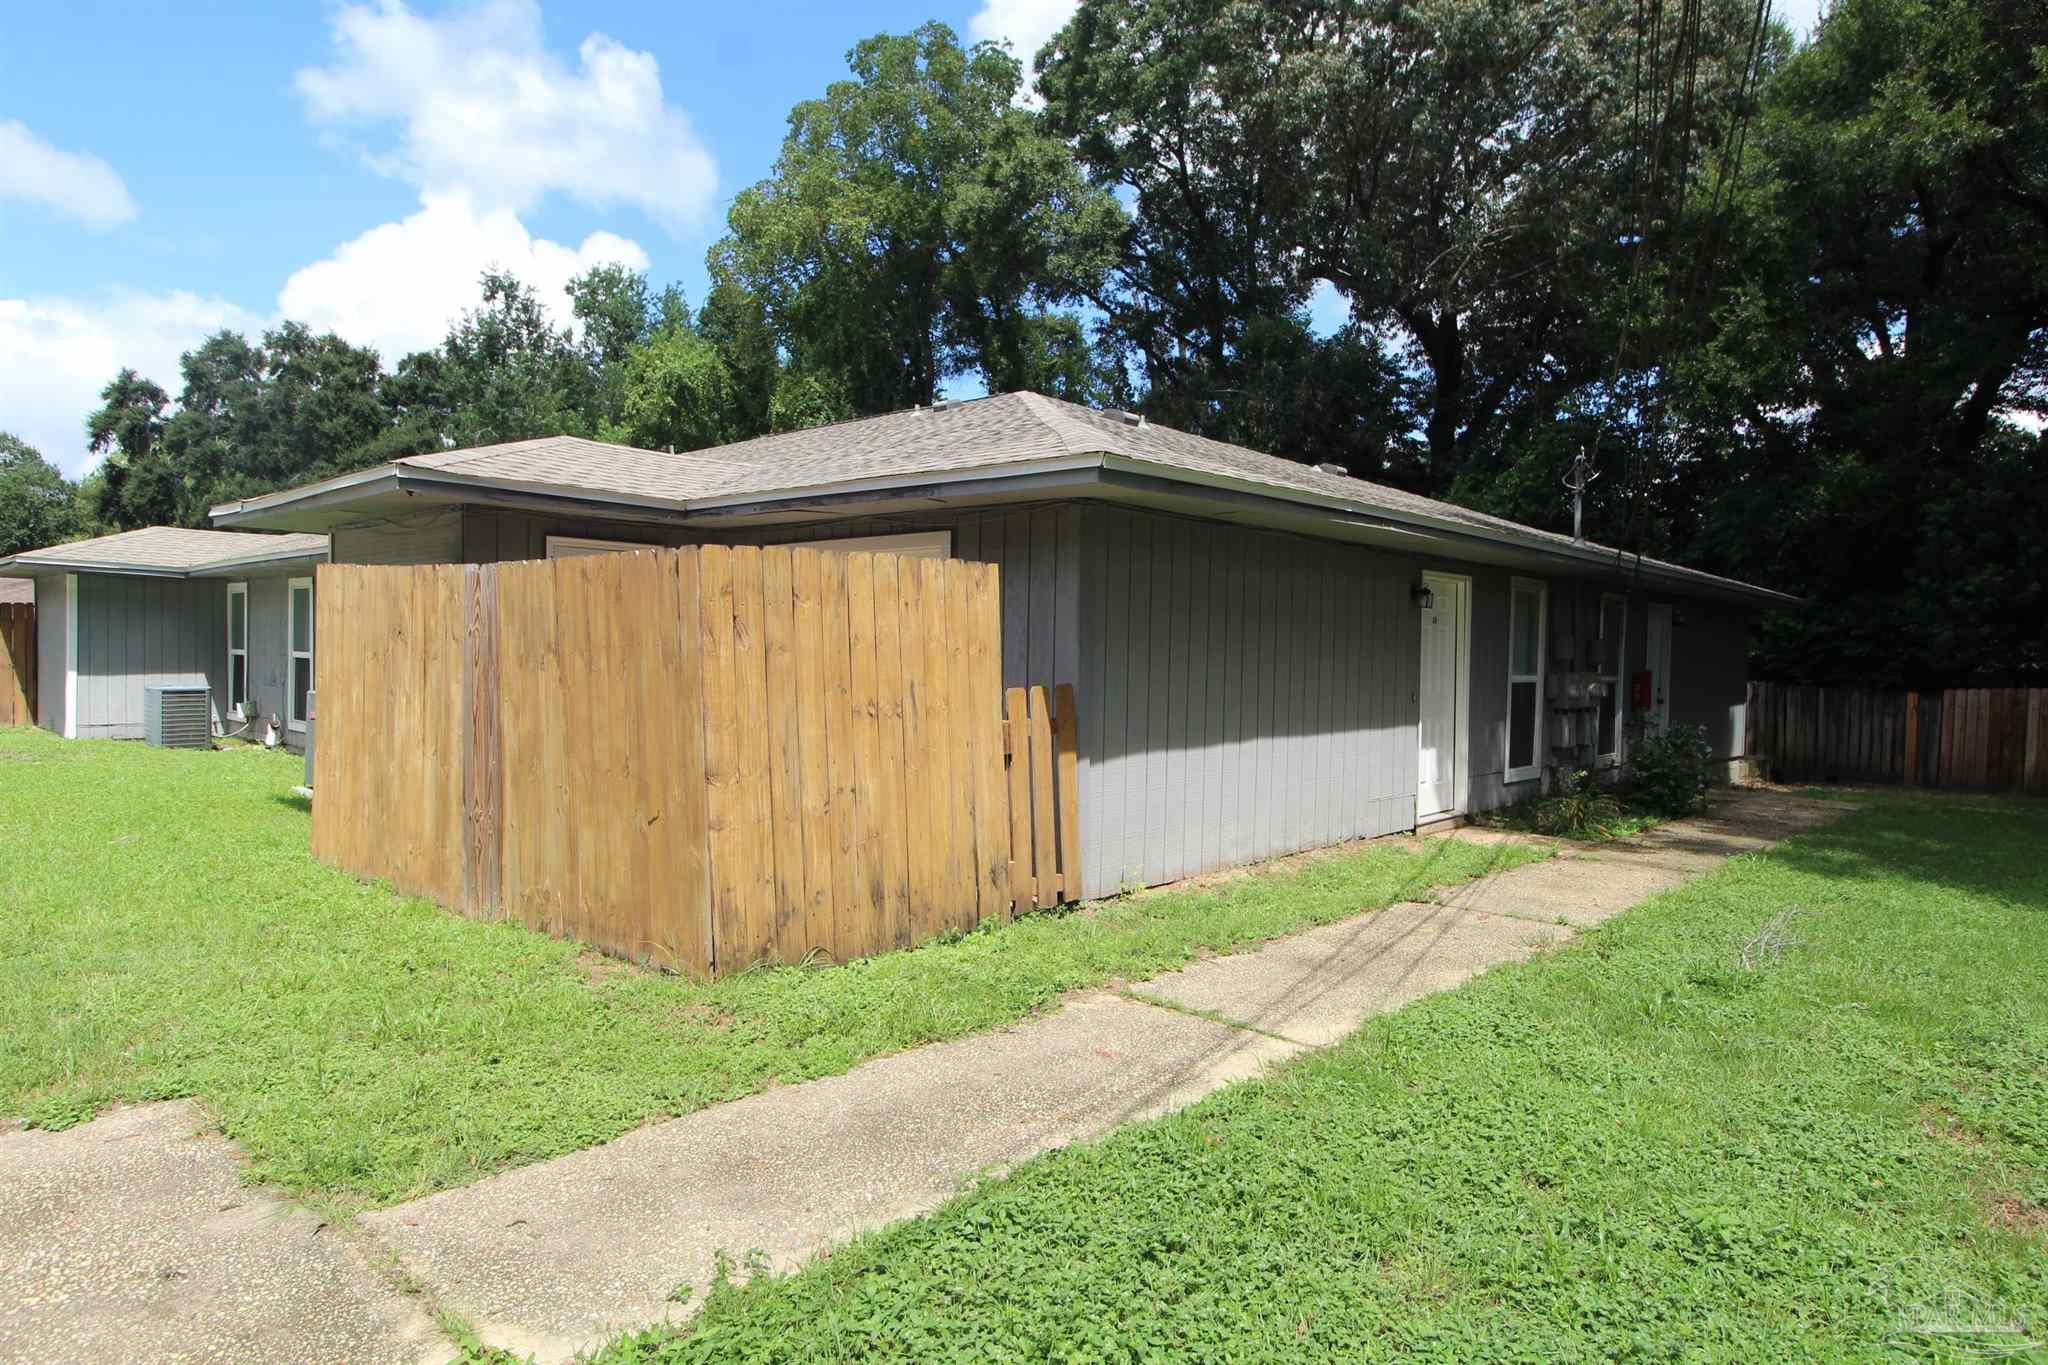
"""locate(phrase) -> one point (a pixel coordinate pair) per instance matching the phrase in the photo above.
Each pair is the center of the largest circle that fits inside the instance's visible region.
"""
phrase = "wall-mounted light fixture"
(1422, 596)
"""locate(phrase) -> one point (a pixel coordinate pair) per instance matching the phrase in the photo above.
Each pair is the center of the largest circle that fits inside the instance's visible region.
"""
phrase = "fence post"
(483, 788)
(1911, 737)
(2031, 776)
(1017, 742)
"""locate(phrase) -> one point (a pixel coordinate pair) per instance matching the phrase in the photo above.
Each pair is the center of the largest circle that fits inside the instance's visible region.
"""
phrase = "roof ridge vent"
(1339, 470)
(941, 404)
(1133, 419)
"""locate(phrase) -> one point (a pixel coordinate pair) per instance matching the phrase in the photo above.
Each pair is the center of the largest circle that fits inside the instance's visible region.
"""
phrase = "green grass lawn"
(1649, 1144)
(164, 933)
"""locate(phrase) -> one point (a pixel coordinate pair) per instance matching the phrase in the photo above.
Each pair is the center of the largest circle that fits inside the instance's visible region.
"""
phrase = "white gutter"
(285, 497)
(24, 568)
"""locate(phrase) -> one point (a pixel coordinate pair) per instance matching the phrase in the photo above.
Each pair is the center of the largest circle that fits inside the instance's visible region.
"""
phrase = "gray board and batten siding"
(134, 633)
(1243, 693)
(53, 632)
(270, 654)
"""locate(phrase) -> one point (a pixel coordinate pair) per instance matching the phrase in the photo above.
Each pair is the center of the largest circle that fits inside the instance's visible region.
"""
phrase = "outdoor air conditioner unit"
(178, 717)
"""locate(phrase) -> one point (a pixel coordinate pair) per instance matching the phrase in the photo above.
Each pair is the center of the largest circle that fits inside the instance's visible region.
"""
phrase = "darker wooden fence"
(1981, 738)
(17, 663)
(703, 758)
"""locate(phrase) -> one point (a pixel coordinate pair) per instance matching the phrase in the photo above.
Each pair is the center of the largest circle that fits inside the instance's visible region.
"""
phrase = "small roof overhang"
(47, 564)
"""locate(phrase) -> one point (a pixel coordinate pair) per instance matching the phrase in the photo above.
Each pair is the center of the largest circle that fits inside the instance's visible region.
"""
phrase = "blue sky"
(355, 166)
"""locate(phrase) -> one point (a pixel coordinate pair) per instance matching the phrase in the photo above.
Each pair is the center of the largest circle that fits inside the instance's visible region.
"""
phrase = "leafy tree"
(735, 321)
(676, 394)
(38, 506)
(917, 226)
(806, 398)
(137, 487)
(1461, 171)
(616, 311)
(1847, 395)
(1175, 107)
(506, 373)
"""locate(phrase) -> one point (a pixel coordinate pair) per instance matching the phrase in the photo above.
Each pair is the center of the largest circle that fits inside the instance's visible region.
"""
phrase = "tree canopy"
(1792, 301)
(920, 226)
(37, 507)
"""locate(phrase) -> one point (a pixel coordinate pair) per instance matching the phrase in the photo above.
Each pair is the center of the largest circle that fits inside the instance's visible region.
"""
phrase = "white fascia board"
(267, 502)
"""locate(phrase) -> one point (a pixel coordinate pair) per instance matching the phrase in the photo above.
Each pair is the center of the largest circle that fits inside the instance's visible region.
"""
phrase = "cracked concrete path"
(554, 1258)
(1588, 884)
(1316, 987)
(132, 1237)
(557, 1257)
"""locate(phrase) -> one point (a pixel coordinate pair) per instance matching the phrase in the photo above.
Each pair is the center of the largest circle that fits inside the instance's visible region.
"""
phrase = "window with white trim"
(299, 687)
(1525, 680)
(1613, 650)
(238, 650)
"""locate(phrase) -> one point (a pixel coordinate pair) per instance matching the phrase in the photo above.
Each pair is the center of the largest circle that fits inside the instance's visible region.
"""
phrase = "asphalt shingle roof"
(573, 462)
(983, 434)
(170, 549)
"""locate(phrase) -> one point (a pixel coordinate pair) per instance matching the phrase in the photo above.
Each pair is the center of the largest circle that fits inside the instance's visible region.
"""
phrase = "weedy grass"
(1655, 1143)
(164, 933)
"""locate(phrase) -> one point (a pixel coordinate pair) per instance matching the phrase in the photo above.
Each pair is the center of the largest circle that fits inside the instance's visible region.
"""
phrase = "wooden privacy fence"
(703, 758)
(1983, 738)
(17, 663)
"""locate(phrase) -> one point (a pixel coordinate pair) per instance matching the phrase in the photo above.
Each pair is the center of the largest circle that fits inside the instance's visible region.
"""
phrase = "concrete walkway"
(554, 1258)
(133, 1238)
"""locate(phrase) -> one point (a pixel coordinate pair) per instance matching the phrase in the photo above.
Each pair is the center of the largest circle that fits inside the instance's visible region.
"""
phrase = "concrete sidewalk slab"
(1585, 885)
(133, 1238)
(555, 1258)
(1577, 889)
(1317, 987)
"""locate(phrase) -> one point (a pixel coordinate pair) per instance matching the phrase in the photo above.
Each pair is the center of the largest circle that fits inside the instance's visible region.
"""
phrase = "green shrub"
(1578, 809)
(1668, 771)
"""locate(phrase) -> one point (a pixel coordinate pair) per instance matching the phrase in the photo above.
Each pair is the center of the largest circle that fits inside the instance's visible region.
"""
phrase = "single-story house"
(1267, 655)
(166, 606)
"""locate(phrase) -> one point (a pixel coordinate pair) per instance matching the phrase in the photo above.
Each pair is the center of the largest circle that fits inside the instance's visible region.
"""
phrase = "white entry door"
(1440, 698)
(1657, 658)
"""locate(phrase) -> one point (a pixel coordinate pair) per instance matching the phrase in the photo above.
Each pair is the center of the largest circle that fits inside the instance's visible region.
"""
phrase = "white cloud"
(1028, 24)
(75, 185)
(398, 286)
(57, 354)
(485, 108)
(395, 287)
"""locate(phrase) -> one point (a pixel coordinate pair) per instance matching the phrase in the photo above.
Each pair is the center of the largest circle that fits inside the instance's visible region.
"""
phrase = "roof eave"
(23, 567)
(343, 487)
(1590, 556)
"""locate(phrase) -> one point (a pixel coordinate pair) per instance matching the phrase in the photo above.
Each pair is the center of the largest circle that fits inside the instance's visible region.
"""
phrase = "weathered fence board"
(702, 758)
(1978, 738)
(1039, 737)
(17, 663)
